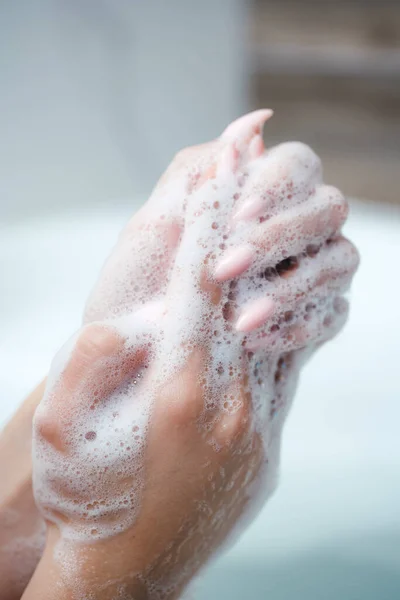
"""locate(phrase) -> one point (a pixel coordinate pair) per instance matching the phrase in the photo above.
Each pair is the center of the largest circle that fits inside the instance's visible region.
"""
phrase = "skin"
(137, 561)
(16, 495)
(171, 493)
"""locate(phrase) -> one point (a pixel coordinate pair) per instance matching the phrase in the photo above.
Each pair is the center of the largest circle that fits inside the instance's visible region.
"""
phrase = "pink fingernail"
(234, 263)
(244, 125)
(249, 209)
(255, 314)
(229, 160)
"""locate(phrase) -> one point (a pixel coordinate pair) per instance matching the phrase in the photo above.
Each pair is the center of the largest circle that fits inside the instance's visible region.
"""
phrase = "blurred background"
(96, 97)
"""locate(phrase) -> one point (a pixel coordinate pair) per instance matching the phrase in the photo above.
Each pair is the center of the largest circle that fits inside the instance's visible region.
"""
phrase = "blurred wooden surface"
(331, 70)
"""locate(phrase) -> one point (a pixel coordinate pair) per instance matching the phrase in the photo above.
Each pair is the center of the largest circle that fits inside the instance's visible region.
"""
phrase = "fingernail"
(255, 314)
(234, 263)
(249, 209)
(243, 126)
(229, 160)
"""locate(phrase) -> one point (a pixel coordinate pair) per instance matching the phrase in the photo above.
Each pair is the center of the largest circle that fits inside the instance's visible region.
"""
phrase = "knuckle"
(302, 154)
(40, 421)
(47, 426)
(96, 341)
(233, 426)
(183, 397)
(354, 256)
(337, 200)
(349, 255)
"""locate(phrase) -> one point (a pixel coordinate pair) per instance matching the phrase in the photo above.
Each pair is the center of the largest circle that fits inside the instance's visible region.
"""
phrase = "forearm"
(15, 448)
(21, 526)
(78, 572)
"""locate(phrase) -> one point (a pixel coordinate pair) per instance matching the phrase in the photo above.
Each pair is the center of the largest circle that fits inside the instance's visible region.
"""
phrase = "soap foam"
(152, 294)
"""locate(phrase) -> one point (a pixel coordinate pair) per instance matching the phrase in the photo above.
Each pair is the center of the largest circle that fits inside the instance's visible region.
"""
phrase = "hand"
(161, 424)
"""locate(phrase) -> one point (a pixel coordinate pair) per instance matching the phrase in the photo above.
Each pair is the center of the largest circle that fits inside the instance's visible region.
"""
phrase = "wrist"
(99, 571)
(22, 530)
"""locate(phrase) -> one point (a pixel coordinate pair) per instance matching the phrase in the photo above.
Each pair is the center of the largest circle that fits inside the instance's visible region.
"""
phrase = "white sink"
(332, 530)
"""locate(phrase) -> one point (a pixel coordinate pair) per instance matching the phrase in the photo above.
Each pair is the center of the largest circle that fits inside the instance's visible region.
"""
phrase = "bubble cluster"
(268, 219)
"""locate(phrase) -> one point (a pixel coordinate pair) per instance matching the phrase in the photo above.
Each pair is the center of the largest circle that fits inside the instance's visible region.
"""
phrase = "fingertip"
(234, 263)
(94, 343)
(46, 425)
(255, 314)
(233, 425)
(248, 125)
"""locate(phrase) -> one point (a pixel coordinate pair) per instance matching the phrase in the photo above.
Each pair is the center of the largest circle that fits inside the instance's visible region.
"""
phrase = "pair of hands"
(199, 472)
